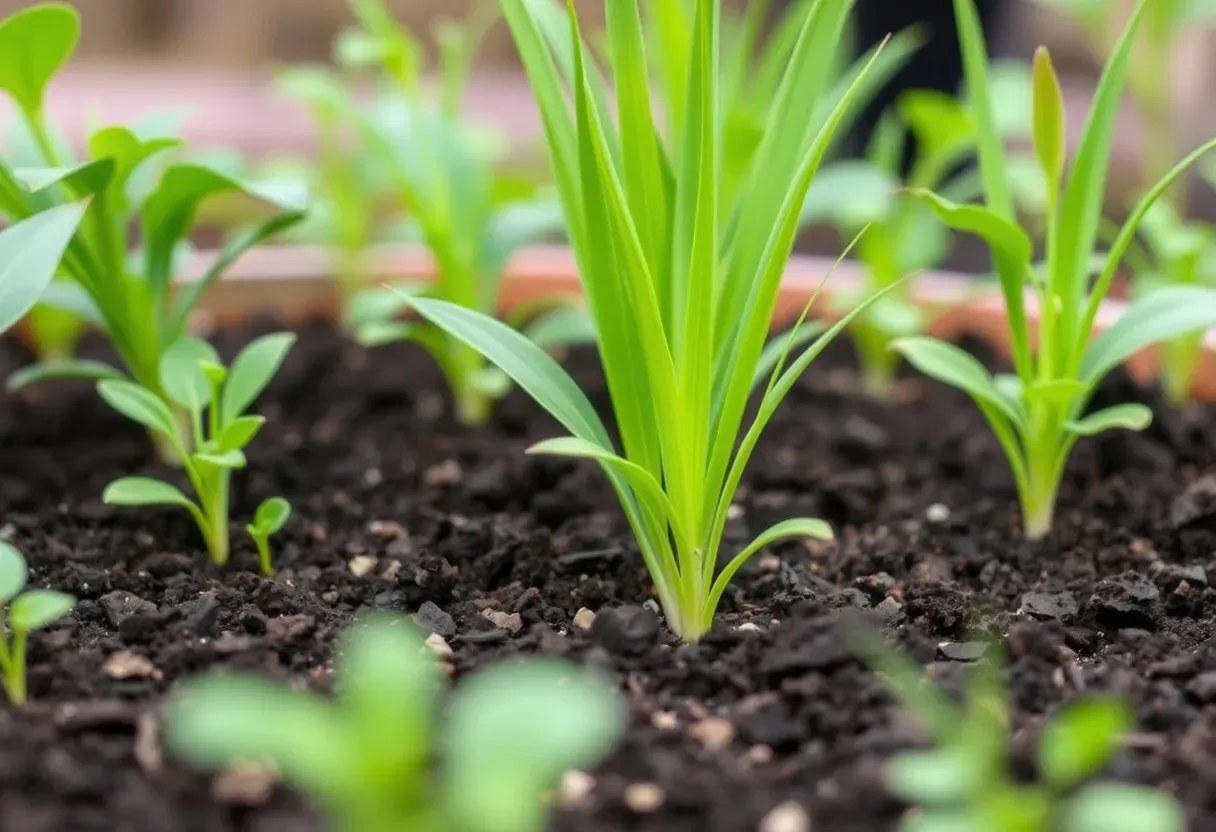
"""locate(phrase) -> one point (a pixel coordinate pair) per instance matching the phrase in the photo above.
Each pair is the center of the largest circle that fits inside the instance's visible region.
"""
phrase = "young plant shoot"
(272, 515)
(902, 236)
(380, 757)
(129, 182)
(24, 611)
(1039, 411)
(215, 400)
(30, 254)
(681, 275)
(964, 782)
(470, 214)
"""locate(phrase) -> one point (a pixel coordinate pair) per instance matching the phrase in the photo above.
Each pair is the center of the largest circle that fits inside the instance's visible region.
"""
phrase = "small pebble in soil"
(966, 651)
(244, 784)
(1060, 606)
(1125, 600)
(1203, 688)
(127, 665)
(439, 646)
(664, 720)
(626, 631)
(759, 755)
(643, 798)
(511, 622)
(749, 627)
(444, 474)
(361, 565)
(584, 618)
(1196, 504)
(937, 513)
(713, 732)
(433, 618)
(788, 817)
(576, 787)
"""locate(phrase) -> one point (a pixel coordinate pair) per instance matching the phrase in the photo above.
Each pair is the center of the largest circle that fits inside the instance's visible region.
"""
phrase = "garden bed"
(397, 508)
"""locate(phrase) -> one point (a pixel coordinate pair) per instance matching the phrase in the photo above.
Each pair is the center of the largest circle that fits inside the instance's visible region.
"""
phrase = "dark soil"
(382, 481)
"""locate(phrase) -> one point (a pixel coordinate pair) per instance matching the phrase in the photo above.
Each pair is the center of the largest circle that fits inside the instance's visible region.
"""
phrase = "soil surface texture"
(767, 724)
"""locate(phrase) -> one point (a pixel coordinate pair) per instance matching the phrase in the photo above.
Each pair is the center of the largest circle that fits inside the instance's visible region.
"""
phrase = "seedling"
(215, 399)
(1039, 411)
(129, 182)
(460, 202)
(30, 253)
(377, 759)
(964, 783)
(681, 272)
(270, 517)
(25, 611)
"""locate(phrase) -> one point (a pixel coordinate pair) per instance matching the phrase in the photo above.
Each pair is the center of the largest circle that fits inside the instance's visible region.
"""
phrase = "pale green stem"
(264, 560)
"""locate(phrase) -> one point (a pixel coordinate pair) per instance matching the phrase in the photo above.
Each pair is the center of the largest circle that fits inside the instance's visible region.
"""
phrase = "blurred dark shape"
(936, 66)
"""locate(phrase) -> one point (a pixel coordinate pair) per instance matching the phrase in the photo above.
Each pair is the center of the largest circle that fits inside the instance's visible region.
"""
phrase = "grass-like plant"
(380, 758)
(24, 611)
(681, 271)
(129, 182)
(216, 400)
(964, 782)
(272, 515)
(1040, 410)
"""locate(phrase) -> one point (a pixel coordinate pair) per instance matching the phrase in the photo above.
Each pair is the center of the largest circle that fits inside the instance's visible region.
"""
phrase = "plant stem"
(264, 563)
(1039, 492)
(14, 671)
(1178, 360)
(878, 363)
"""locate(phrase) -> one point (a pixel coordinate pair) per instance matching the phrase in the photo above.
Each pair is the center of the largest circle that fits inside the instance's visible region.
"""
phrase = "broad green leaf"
(127, 150)
(34, 44)
(389, 685)
(513, 730)
(379, 333)
(272, 514)
(1168, 313)
(381, 304)
(942, 125)
(181, 373)
(954, 366)
(144, 491)
(1120, 416)
(530, 366)
(565, 326)
(169, 211)
(1050, 141)
(37, 608)
(1082, 739)
(851, 194)
(13, 573)
(940, 777)
(945, 820)
(82, 180)
(1002, 234)
(252, 370)
(72, 368)
(30, 252)
(218, 720)
(1118, 807)
(239, 432)
(139, 405)
(70, 297)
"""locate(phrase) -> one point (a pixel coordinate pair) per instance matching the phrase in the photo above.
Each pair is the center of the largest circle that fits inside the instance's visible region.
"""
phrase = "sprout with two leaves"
(1039, 411)
(215, 399)
(24, 611)
(381, 757)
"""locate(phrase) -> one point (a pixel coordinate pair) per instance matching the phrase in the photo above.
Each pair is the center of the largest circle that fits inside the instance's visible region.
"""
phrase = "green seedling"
(271, 516)
(130, 182)
(681, 273)
(469, 213)
(964, 782)
(1040, 411)
(215, 400)
(30, 254)
(25, 611)
(378, 758)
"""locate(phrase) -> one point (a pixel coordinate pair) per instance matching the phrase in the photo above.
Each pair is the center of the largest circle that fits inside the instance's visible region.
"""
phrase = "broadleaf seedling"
(681, 271)
(216, 400)
(380, 757)
(1039, 412)
(964, 782)
(130, 181)
(24, 611)
(271, 516)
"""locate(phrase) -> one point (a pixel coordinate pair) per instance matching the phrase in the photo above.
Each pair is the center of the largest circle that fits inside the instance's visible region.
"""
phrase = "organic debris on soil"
(768, 723)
